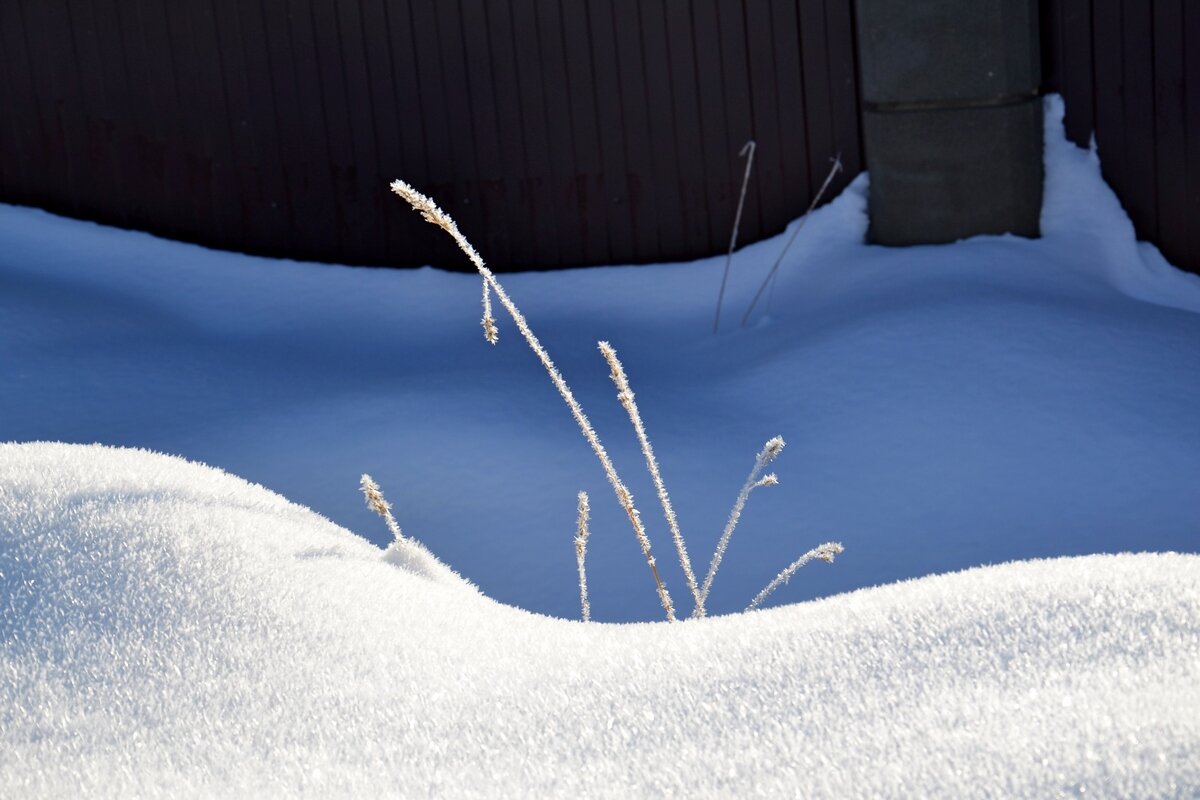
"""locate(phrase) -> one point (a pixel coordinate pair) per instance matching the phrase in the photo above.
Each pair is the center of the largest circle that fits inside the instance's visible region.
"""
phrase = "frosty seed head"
(490, 332)
(374, 496)
(425, 205)
(826, 552)
(376, 502)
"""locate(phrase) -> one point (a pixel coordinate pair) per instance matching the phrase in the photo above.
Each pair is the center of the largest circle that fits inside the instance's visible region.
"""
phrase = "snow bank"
(170, 629)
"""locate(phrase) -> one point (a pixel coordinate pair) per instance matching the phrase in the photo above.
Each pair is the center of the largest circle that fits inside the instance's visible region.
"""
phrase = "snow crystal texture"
(168, 629)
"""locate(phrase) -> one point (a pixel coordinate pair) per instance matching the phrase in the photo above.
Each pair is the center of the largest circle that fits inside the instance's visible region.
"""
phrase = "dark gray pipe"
(952, 121)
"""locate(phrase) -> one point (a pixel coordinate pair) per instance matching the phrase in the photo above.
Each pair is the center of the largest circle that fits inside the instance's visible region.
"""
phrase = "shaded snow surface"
(945, 407)
(170, 629)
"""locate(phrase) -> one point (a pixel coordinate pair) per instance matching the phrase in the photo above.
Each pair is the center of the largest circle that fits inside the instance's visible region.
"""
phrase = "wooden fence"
(1129, 71)
(557, 133)
(604, 131)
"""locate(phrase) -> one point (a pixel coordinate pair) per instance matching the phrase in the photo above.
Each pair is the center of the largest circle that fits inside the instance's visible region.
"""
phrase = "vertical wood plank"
(264, 127)
(229, 76)
(10, 142)
(1138, 117)
(641, 152)
(843, 83)
(822, 145)
(388, 138)
(140, 191)
(365, 180)
(661, 124)
(194, 38)
(1191, 87)
(491, 121)
(791, 99)
(471, 213)
(331, 84)
(266, 21)
(416, 81)
(24, 161)
(591, 194)
(405, 80)
(1050, 26)
(690, 177)
(151, 90)
(447, 120)
(1171, 136)
(565, 182)
(208, 220)
(314, 195)
(535, 193)
(48, 41)
(1078, 86)
(620, 217)
(137, 192)
(167, 139)
(96, 157)
(773, 208)
(746, 118)
(717, 147)
(1108, 90)
(520, 207)
(11, 183)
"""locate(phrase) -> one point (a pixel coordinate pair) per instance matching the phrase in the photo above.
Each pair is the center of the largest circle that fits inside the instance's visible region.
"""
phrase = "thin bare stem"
(824, 552)
(433, 214)
(581, 537)
(375, 501)
(625, 395)
(834, 170)
(769, 453)
(747, 152)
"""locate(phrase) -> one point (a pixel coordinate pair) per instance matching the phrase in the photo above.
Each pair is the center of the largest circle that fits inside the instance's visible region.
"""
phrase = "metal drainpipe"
(952, 121)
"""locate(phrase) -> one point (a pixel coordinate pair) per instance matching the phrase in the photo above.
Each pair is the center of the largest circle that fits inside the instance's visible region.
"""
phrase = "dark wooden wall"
(1130, 73)
(557, 133)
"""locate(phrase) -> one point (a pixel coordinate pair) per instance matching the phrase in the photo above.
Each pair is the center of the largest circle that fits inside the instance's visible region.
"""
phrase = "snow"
(994, 400)
(168, 628)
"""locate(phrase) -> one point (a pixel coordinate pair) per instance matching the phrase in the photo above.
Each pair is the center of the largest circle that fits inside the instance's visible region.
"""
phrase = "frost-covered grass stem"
(626, 397)
(747, 152)
(581, 538)
(435, 215)
(824, 552)
(833, 170)
(490, 332)
(376, 502)
(769, 453)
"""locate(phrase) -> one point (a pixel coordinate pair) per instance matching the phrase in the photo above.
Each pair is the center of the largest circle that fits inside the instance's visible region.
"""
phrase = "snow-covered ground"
(168, 627)
(171, 630)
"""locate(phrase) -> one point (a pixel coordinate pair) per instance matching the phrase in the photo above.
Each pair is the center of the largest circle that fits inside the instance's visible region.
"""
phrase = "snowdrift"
(170, 629)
